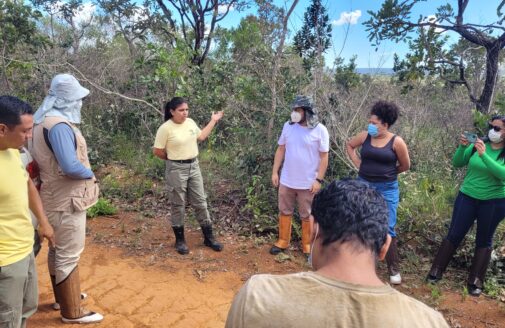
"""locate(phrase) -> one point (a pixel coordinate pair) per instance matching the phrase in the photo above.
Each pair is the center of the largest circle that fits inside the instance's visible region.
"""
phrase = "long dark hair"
(486, 138)
(172, 105)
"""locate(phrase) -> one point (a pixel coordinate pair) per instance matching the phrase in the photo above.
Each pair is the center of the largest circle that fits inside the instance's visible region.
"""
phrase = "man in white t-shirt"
(303, 147)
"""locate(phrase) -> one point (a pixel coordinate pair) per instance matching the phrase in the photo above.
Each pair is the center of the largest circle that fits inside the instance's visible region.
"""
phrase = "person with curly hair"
(382, 157)
(349, 235)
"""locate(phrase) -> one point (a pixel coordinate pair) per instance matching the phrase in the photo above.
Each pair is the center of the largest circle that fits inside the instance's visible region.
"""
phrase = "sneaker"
(396, 279)
(91, 317)
(56, 306)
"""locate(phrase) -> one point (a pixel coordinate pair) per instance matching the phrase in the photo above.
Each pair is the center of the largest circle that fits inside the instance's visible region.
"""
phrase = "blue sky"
(478, 12)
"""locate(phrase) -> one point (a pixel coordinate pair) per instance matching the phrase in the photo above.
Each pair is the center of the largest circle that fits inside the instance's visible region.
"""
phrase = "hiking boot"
(209, 239)
(180, 241)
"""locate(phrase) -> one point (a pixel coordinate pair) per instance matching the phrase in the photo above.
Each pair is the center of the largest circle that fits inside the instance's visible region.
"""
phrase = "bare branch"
(167, 13)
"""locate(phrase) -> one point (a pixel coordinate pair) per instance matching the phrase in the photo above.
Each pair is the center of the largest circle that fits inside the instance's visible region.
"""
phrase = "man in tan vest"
(68, 188)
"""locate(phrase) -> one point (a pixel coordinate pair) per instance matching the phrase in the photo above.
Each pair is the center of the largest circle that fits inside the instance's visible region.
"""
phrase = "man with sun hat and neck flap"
(68, 188)
(303, 151)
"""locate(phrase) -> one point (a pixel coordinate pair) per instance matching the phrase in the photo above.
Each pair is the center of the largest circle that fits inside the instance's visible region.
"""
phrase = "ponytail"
(172, 105)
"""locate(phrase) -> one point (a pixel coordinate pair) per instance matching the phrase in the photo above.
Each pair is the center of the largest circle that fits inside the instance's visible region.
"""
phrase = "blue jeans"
(391, 193)
(487, 213)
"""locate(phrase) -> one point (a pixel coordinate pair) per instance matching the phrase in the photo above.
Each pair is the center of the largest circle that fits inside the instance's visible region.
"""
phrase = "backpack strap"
(45, 132)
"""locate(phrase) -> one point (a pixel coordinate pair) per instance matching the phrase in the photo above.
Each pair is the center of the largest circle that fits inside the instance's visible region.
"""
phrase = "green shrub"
(102, 207)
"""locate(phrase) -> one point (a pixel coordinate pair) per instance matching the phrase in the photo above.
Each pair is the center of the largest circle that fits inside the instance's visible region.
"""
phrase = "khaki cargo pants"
(184, 180)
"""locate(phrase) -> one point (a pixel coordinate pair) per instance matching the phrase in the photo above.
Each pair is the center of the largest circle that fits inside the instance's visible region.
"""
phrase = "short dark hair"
(386, 111)
(350, 210)
(172, 105)
(11, 109)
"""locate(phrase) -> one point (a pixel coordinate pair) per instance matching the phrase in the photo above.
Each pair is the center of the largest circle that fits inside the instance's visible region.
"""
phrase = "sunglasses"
(494, 127)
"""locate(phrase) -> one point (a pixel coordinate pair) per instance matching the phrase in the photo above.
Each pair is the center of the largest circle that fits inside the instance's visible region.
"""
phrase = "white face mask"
(296, 117)
(495, 137)
(309, 260)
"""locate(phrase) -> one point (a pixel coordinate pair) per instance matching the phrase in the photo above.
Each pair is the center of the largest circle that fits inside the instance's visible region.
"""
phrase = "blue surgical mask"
(373, 130)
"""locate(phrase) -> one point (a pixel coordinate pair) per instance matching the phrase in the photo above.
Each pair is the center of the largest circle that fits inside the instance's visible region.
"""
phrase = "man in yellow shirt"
(18, 278)
(350, 233)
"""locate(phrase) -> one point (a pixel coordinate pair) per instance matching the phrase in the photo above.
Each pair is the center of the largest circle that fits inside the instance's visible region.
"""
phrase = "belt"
(183, 161)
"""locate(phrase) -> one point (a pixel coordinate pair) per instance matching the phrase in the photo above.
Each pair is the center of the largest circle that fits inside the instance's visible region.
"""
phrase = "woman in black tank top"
(382, 157)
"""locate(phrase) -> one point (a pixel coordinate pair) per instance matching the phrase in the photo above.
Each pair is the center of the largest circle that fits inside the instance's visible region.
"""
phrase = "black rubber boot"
(209, 239)
(444, 256)
(480, 261)
(276, 250)
(180, 242)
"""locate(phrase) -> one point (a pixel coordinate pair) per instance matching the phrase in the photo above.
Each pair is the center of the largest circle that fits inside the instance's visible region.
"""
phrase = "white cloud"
(348, 18)
(221, 9)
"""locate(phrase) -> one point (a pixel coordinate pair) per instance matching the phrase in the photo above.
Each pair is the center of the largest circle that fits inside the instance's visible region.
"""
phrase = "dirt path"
(131, 295)
(144, 283)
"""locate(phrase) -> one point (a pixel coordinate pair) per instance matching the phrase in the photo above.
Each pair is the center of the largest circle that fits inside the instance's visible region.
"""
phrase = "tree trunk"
(275, 70)
(4, 66)
(485, 100)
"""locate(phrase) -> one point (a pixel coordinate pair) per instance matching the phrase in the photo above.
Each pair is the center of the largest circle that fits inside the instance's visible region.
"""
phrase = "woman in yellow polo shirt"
(176, 142)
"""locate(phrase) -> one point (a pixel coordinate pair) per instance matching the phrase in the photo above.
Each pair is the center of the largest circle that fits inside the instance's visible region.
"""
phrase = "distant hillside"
(375, 71)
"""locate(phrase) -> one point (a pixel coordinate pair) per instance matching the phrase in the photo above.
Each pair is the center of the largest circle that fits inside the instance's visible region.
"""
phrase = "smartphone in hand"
(471, 137)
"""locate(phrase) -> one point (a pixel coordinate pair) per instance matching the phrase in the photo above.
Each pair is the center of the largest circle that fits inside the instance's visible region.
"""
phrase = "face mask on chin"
(494, 136)
(296, 117)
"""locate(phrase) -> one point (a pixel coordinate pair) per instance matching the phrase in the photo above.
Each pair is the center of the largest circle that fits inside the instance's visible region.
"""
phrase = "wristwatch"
(320, 180)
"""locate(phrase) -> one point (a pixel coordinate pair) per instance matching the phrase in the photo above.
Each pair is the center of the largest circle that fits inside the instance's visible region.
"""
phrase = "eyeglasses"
(494, 127)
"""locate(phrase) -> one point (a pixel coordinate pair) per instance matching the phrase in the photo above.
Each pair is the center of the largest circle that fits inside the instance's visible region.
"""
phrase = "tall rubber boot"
(306, 237)
(284, 234)
(56, 304)
(392, 260)
(444, 256)
(69, 296)
(209, 239)
(480, 262)
(180, 241)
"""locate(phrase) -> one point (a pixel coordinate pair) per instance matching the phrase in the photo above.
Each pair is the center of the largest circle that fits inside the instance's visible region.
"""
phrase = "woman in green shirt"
(481, 198)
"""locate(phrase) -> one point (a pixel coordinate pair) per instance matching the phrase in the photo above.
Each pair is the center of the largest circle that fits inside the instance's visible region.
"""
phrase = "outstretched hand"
(216, 116)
